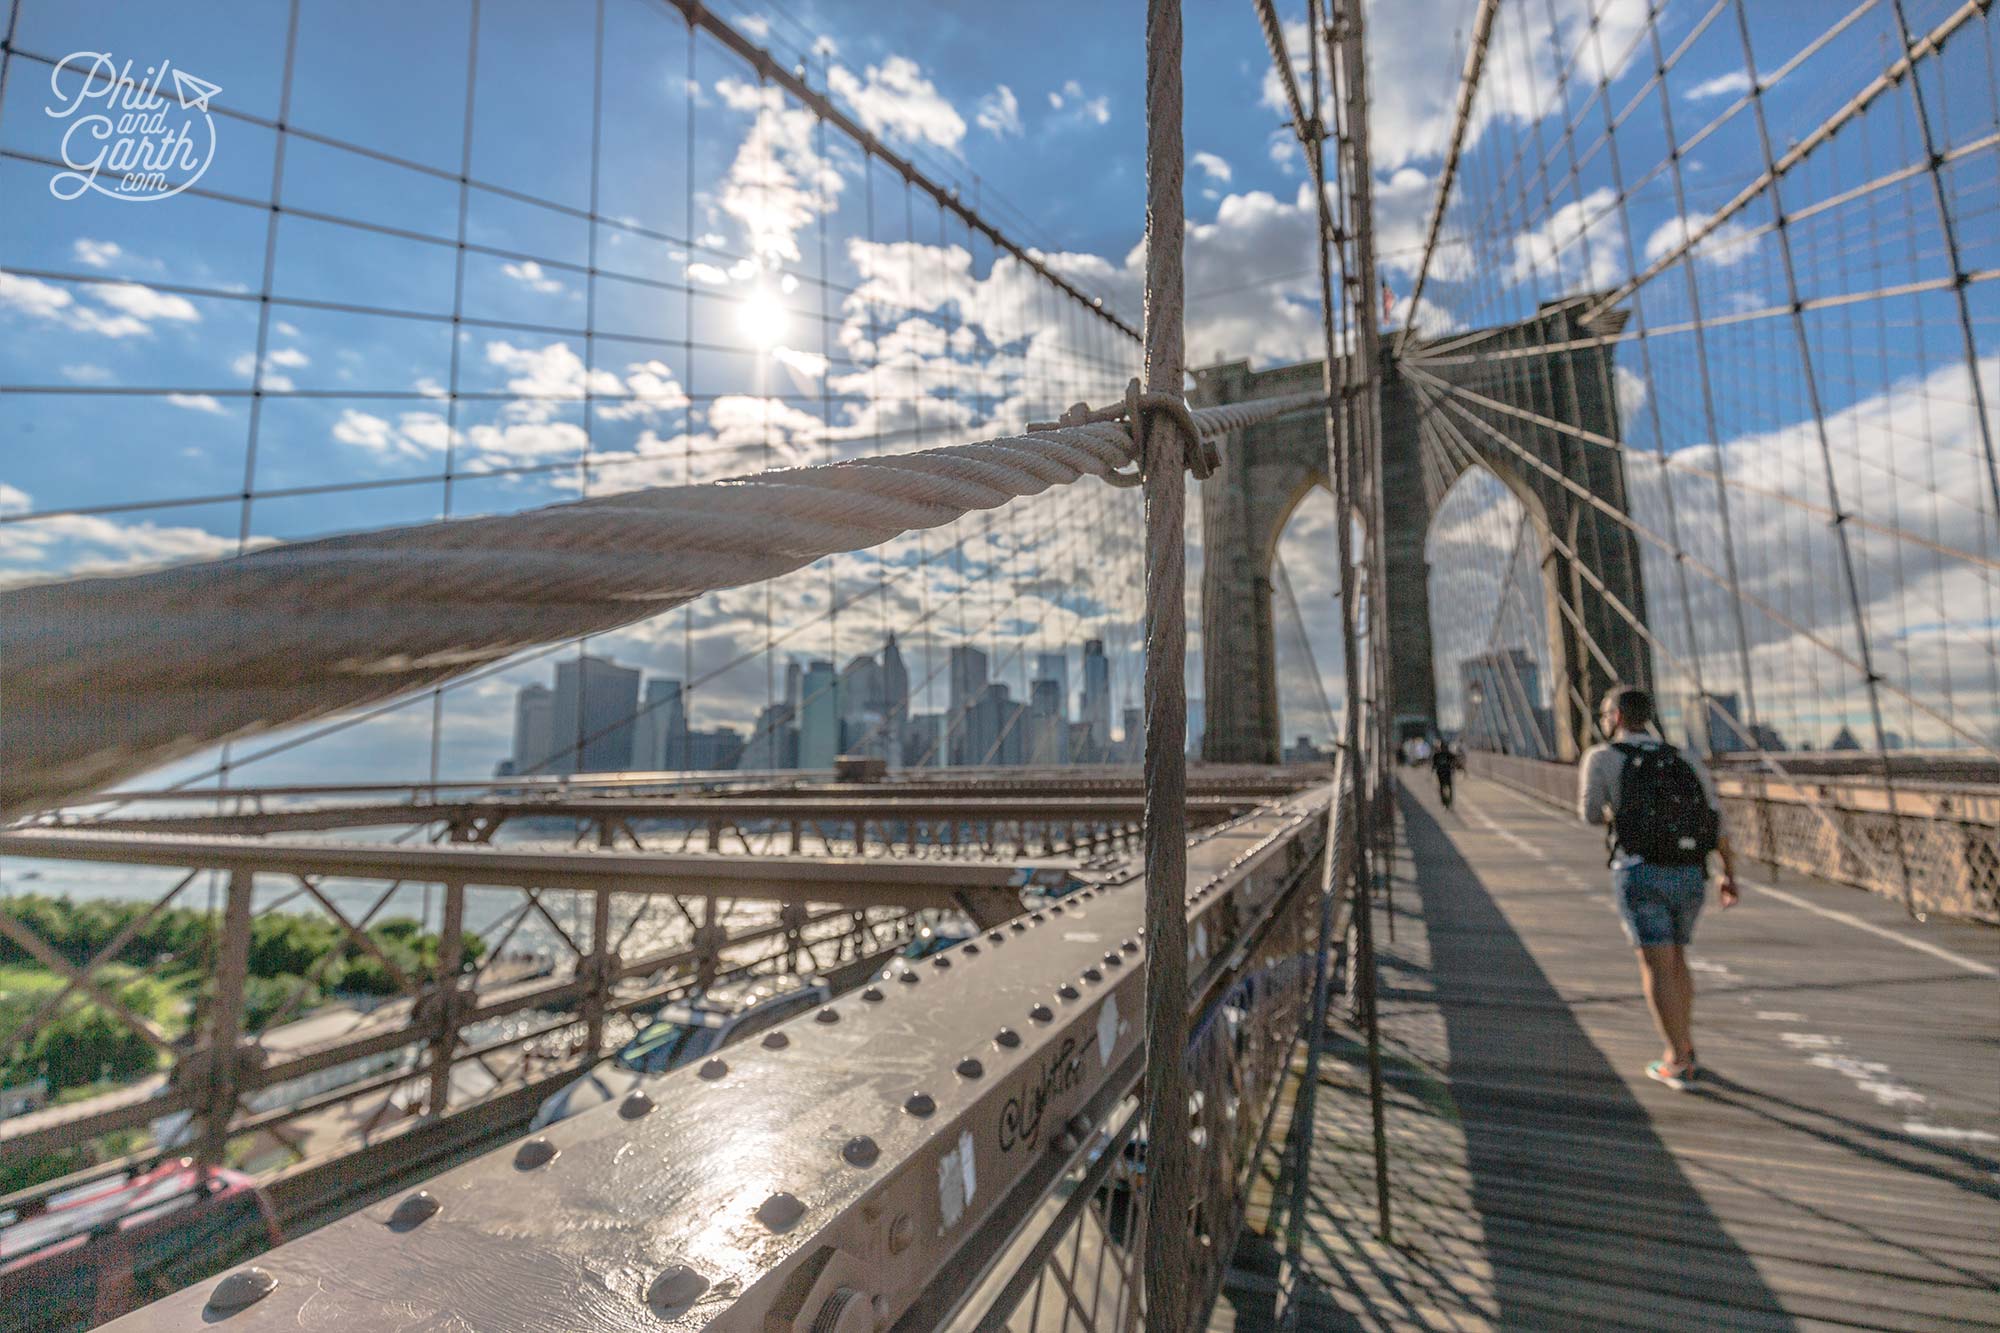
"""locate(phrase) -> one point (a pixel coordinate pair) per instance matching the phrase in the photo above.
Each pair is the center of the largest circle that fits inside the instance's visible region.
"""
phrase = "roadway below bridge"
(1839, 1166)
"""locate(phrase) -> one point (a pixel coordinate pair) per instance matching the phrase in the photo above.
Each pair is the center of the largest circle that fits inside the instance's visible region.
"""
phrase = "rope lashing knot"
(1137, 414)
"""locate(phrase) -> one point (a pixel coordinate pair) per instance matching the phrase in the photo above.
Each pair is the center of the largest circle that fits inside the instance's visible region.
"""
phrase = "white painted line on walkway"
(1957, 960)
(1848, 918)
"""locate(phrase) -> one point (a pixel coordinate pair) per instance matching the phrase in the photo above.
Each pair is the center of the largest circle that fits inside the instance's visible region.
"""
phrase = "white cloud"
(73, 545)
(86, 373)
(97, 254)
(1733, 84)
(778, 182)
(143, 303)
(33, 296)
(1416, 51)
(1216, 168)
(809, 364)
(1576, 248)
(197, 402)
(532, 276)
(129, 308)
(895, 98)
(707, 273)
(1082, 108)
(1000, 112)
(1728, 245)
(364, 430)
(245, 366)
(528, 429)
(1632, 394)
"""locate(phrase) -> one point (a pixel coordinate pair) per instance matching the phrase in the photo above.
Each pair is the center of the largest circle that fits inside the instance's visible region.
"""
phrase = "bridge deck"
(1840, 1168)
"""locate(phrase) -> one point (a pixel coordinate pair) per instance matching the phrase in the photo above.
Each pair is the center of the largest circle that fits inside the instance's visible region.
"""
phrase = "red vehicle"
(107, 1248)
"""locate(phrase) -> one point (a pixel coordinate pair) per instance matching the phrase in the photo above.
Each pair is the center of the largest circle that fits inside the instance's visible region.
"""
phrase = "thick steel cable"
(1828, 819)
(110, 676)
(1303, 124)
(1468, 89)
(1776, 166)
(1718, 475)
(1730, 568)
(1652, 403)
(1784, 618)
(1948, 229)
(1870, 678)
(1169, 1172)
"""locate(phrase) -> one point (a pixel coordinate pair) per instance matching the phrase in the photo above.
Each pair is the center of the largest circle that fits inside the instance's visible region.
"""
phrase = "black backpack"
(1663, 816)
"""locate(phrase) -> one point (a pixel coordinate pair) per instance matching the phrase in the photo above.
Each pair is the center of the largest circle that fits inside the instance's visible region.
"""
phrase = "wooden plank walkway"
(1839, 1169)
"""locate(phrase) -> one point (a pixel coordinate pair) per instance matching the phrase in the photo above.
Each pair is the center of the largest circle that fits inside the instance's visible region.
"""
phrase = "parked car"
(1047, 884)
(939, 934)
(107, 1248)
(687, 1031)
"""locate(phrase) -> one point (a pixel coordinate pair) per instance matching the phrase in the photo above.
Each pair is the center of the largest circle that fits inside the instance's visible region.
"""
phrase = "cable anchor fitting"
(1137, 413)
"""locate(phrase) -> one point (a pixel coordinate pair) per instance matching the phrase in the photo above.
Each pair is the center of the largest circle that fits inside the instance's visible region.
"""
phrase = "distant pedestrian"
(1444, 763)
(1662, 820)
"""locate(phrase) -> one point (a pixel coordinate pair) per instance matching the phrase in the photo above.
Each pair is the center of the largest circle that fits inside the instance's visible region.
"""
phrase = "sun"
(762, 318)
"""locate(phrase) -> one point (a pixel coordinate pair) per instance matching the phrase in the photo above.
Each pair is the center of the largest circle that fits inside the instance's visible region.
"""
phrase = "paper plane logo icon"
(194, 93)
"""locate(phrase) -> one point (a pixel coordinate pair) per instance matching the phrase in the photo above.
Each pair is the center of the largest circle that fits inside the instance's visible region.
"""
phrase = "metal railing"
(1841, 829)
(949, 1148)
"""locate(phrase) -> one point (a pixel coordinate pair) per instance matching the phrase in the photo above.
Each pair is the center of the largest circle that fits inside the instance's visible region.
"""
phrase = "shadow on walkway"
(1587, 1218)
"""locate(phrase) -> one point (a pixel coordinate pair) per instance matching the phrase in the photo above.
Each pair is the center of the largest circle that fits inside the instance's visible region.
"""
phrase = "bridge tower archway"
(1589, 559)
(1266, 472)
(1536, 404)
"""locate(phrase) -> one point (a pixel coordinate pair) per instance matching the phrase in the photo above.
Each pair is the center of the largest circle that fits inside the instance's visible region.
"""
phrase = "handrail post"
(225, 1019)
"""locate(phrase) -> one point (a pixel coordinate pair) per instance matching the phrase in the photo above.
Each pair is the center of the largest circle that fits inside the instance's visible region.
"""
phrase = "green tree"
(83, 1043)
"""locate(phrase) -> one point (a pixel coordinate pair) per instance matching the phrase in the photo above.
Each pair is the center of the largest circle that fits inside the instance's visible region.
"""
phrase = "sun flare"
(761, 318)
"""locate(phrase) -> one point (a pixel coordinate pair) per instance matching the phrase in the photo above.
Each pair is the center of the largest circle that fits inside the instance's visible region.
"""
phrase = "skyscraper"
(819, 717)
(968, 680)
(774, 743)
(895, 699)
(659, 737)
(1055, 667)
(1048, 729)
(1097, 693)
(534, 734)
(1132, 746)
(595, 701)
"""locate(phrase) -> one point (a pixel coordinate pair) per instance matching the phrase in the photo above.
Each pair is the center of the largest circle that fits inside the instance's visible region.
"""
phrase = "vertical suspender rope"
(1366, 387)
(1169, 1178)
(1351, 876)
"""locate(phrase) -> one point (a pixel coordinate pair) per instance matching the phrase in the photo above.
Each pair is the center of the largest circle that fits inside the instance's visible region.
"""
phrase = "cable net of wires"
(377, 312)
(1705, 368)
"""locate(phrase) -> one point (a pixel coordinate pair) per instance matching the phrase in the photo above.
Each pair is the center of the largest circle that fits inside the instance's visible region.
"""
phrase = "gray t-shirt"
(1601, 768)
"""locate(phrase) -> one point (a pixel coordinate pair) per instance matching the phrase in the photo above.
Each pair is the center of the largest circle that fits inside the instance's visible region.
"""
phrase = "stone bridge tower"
(1268, 469)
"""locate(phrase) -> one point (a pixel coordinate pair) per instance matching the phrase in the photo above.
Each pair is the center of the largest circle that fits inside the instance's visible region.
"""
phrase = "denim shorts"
(1658, 904)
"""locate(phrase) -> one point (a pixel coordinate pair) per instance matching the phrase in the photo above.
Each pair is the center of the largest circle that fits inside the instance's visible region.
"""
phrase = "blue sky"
(832, 313)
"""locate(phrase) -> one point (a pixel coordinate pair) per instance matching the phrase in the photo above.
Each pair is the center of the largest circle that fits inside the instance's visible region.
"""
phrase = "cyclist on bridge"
(1662, 820)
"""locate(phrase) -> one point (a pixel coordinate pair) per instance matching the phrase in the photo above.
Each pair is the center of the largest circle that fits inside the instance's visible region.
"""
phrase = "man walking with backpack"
(1663, 820)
